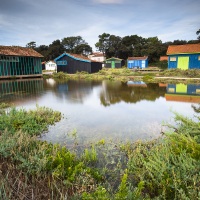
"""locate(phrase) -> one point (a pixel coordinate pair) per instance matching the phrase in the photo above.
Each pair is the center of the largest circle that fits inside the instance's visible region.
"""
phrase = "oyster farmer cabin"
(137, 62)
(114, 63)
(184, 56)
(19, 62)
(72, 63)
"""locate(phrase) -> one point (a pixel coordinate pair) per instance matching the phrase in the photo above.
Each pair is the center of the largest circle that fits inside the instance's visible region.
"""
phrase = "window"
(62, 62)
(172, 58)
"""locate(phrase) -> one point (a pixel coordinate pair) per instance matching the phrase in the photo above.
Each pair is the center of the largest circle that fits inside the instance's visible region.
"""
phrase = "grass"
(125, 74)
(165, 168)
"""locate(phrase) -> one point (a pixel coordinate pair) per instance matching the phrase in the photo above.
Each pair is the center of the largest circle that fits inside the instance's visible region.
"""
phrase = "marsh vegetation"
(164, 168)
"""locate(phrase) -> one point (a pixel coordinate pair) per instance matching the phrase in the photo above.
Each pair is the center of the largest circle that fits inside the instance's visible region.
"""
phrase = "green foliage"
(192, 73)
(60, 75)
(148, 78)
(165, 168)
(31, 122)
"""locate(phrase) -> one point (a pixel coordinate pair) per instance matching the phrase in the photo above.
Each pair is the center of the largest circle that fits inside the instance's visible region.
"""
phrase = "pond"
(111, 110)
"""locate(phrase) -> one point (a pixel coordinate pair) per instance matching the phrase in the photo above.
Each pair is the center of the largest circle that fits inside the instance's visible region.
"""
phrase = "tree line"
(110, 46)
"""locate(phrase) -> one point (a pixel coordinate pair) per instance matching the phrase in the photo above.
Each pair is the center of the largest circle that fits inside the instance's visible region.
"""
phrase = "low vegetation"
(165, 168)
(125, 74)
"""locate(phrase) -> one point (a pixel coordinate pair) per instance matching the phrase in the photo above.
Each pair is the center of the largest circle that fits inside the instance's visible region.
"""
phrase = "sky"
(44, 21)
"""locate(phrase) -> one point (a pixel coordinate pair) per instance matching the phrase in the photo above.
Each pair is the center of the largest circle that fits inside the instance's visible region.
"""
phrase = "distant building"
(114, 63)
(184, 57)
(19, 62)
(137, 62)
(97, 56)
(163, 58)
(50, 65)
(72, 63)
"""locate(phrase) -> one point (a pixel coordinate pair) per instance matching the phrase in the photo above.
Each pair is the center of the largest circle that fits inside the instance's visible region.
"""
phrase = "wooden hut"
(114, 63)
(137, 62)
(72, 63)
(184, 57)
(19, 62)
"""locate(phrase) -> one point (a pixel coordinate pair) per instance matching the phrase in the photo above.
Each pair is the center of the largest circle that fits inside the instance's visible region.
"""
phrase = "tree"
(70, 43)
(103, 44)
(198, 33)
(55, 49)
(31, 44)
(84, 49)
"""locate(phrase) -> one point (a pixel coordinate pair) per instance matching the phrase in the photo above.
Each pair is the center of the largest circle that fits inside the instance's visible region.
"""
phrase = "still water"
(105, 109)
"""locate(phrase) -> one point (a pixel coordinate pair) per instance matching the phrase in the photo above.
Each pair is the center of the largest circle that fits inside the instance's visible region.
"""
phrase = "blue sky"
(44, 21)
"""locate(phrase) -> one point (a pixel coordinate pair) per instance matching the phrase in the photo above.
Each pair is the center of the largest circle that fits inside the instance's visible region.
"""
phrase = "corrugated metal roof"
(138, 58)
(19, 51)
(181, 49)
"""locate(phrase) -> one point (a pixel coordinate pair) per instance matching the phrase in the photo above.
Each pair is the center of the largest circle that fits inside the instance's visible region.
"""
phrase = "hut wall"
(194, 61)
(95, 66)
(114, 63)
(12, 65)
(71, 65)
(137, 64)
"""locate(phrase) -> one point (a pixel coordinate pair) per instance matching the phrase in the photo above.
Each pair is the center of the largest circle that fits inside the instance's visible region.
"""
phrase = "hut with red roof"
(72, 63)
(19, 62)
(184, 57)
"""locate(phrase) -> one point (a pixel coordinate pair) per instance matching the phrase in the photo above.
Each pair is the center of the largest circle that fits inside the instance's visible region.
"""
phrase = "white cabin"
(50, 65)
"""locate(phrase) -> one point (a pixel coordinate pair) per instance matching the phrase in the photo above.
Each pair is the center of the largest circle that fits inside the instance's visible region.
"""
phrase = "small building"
(19, 62)
(50, 65)
(97, 56)
(137, 62)
(184, 57)
(72, 63)
(114, 63)
(163, 58)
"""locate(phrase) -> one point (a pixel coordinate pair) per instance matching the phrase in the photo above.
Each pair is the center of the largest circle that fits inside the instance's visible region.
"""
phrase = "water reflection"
(73, 90)
(183, 93)
(18, 91)
(103, 109)
(130, 92)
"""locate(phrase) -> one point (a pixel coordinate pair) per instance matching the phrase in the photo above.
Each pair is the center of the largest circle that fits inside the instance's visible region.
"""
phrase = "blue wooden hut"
(184, 57)
(137, 62)
(72, 63)
(19, 62)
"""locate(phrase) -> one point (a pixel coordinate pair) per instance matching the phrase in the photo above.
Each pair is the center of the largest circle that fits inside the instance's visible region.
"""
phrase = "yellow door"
(181, 88)
(183, 63)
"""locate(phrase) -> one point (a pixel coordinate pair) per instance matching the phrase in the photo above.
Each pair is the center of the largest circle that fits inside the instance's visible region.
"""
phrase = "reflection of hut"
(114, 63)
(137, 62)
(20, 89)
(19, 62)
(136, 84)
(183, 93)
(71, 63)
(184, 56)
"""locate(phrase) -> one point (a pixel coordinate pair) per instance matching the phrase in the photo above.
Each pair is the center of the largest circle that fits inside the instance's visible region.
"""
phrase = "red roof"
(186, 48)
(138, 58)
(162, 58)
(79, 56)
(19, 51)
